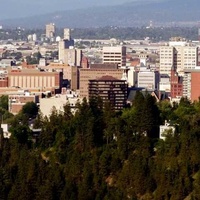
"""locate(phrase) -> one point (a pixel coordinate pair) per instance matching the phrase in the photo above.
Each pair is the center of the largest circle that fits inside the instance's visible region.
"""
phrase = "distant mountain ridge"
(126, 15)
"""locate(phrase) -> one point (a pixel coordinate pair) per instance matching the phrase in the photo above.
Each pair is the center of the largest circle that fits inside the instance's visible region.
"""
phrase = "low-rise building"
(58, 102)
(17, 101)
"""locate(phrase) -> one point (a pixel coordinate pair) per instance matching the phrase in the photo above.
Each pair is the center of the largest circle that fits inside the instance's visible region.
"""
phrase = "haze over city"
(13, 8)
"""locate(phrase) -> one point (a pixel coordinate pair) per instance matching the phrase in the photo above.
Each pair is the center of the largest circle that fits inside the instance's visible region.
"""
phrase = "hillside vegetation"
(99, 154)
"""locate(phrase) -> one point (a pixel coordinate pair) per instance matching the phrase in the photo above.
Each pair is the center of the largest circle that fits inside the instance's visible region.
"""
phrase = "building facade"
(115, 54)
(148, 79)
(180, 56)
(16, 102)
(92, 73)
(110, 90)
(50, 30)
(176, 84)
(34, 79)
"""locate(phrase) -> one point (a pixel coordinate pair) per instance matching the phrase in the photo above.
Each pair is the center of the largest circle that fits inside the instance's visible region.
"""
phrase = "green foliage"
(33, 59)
(30, 109)
(99, 154)
(4, 102)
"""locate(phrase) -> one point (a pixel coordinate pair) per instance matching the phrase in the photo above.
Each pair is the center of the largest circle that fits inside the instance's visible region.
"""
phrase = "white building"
(131, 76)
(164, 83)
(148, 79)
(165, 130)
(6, 133)
(187, 84)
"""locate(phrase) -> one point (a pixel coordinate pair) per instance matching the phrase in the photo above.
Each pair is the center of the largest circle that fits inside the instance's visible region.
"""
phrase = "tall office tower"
(67, 34)
(178, 55)
(115, 55)
(50, 30)
(69, 56)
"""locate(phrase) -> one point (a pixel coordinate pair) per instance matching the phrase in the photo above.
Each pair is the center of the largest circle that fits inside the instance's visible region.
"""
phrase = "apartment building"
(92, 74)
(110, 90)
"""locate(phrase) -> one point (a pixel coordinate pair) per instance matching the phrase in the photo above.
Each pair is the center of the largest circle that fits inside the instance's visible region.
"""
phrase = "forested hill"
(98, 154)
(135, 14)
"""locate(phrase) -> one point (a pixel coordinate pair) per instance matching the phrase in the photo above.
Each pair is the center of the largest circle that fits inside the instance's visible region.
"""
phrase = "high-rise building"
(115, 54)
(94, 73)
(178, 55)
(187, 84)
(110, 90)
(69, 56)
(50, 30)
(67, 34)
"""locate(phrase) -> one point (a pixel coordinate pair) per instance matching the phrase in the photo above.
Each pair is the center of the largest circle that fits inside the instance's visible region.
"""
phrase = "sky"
(23, 8)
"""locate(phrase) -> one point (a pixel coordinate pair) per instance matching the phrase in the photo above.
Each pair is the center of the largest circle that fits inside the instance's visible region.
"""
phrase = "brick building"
(93, 73)
(195, 85)
(16, 102)
(176, 84)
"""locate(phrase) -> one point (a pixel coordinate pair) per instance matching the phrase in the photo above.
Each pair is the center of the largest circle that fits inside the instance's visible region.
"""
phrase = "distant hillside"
(129, 14)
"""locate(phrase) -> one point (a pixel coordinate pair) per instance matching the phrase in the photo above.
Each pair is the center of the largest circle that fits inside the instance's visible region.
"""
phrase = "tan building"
(50, 30)
(70, 73)
(67, 34)
(115, 54)
(69, 55)
(90, 74)
(16, 102)
(58, 102)
(33, 79)
(178, 55)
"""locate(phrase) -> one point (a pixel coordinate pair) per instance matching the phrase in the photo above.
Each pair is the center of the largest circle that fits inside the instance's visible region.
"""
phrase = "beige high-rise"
(115, 54)
(179, 56)
(50, 30)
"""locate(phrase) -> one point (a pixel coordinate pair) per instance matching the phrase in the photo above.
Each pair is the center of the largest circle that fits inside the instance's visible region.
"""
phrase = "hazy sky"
(22, 8)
